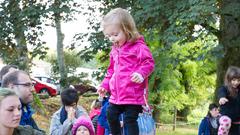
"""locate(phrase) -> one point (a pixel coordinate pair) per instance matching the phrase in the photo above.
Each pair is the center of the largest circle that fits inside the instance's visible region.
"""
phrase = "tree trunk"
(185, 82)
(229, 39)
(60, 52)
(157, 114)
(156, 101)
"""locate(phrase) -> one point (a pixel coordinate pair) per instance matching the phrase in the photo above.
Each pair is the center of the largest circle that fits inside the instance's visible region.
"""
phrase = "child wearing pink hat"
(83, 126)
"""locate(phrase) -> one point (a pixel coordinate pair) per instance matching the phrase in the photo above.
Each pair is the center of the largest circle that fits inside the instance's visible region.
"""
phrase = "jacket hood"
(83, 121)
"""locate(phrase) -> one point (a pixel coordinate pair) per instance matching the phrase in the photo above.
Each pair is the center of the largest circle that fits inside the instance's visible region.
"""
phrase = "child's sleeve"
(202, 127)
(110, 70)
(56, 128)
(146, 61)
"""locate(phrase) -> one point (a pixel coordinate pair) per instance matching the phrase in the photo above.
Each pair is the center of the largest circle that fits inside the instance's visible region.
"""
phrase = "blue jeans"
(106, 132)
(130, 113)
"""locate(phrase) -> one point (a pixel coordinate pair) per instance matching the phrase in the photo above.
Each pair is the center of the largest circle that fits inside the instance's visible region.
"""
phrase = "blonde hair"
(96, 104)
(126, 22)
(5, 92)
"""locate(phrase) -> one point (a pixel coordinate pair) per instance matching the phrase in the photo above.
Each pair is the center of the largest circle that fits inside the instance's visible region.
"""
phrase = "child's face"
(235, 82)
(82, 130)
(115, 34)
(214, 112)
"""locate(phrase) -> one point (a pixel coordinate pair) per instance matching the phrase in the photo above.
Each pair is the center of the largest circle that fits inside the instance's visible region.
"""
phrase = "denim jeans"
(130, 116)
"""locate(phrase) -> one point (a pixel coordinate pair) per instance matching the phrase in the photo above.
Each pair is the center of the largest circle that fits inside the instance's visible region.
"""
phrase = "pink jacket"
(93, 113)
(129, 58)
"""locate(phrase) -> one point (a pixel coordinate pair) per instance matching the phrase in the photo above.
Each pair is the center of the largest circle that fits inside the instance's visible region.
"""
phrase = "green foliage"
(57, 12)
(182, 76)
(198, 114)
(20, 28)
(72, 61)
(37, 104)
(181, 37)
(64, 9)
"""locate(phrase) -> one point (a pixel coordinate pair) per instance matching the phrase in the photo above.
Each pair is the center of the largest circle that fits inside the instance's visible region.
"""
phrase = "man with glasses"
(20, 82)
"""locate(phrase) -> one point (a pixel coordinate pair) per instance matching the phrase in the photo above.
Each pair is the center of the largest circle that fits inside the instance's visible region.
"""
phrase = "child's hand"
(101, 91)
(71, 113)
(137, 78)
(223, 100)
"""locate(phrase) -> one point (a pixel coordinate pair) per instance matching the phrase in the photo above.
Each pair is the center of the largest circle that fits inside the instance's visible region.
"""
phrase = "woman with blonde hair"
(10, 112)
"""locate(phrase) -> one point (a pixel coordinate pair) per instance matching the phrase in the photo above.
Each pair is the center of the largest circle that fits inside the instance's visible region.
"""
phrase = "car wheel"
(44, 91)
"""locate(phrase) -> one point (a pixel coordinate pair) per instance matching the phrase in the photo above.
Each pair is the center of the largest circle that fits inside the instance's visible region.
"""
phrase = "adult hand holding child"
(222, 101)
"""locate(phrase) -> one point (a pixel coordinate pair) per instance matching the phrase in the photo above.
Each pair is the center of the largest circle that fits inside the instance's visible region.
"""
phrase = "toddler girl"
(131, 63)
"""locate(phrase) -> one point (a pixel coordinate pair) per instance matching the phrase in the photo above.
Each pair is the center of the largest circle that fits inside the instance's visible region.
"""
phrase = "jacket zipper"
(116, 77)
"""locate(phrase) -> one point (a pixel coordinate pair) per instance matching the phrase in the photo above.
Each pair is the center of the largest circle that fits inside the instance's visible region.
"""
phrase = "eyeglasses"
(25, 84)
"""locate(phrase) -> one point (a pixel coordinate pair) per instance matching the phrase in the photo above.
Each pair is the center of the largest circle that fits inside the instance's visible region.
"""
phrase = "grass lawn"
(178, 131)
(53, 104)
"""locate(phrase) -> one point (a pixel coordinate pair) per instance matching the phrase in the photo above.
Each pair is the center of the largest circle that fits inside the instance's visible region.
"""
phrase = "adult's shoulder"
(222, 91)
(57, 113)
(206, 118)
(204, 121)
(81, 110)
(27, 130)
(223, 87)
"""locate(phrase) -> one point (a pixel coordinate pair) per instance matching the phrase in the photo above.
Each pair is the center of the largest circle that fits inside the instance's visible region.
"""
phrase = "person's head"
(232, 79)
(21, 83)
(7, 69)
(10, 108)
(83, 126)
(213, 110)
(96, 104)
(69, 98)
(119, 27)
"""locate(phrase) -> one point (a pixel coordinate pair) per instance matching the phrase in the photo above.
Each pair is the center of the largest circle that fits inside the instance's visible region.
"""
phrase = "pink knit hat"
(83, 121)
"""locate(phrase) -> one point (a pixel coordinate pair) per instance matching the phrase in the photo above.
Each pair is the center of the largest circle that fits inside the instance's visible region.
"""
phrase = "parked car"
(42, 87)
(49, 81)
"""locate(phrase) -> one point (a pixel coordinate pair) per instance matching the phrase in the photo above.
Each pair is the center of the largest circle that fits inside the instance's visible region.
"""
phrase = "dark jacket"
(26, 117)
(232, 107)
(205, 127)
(27, 130)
